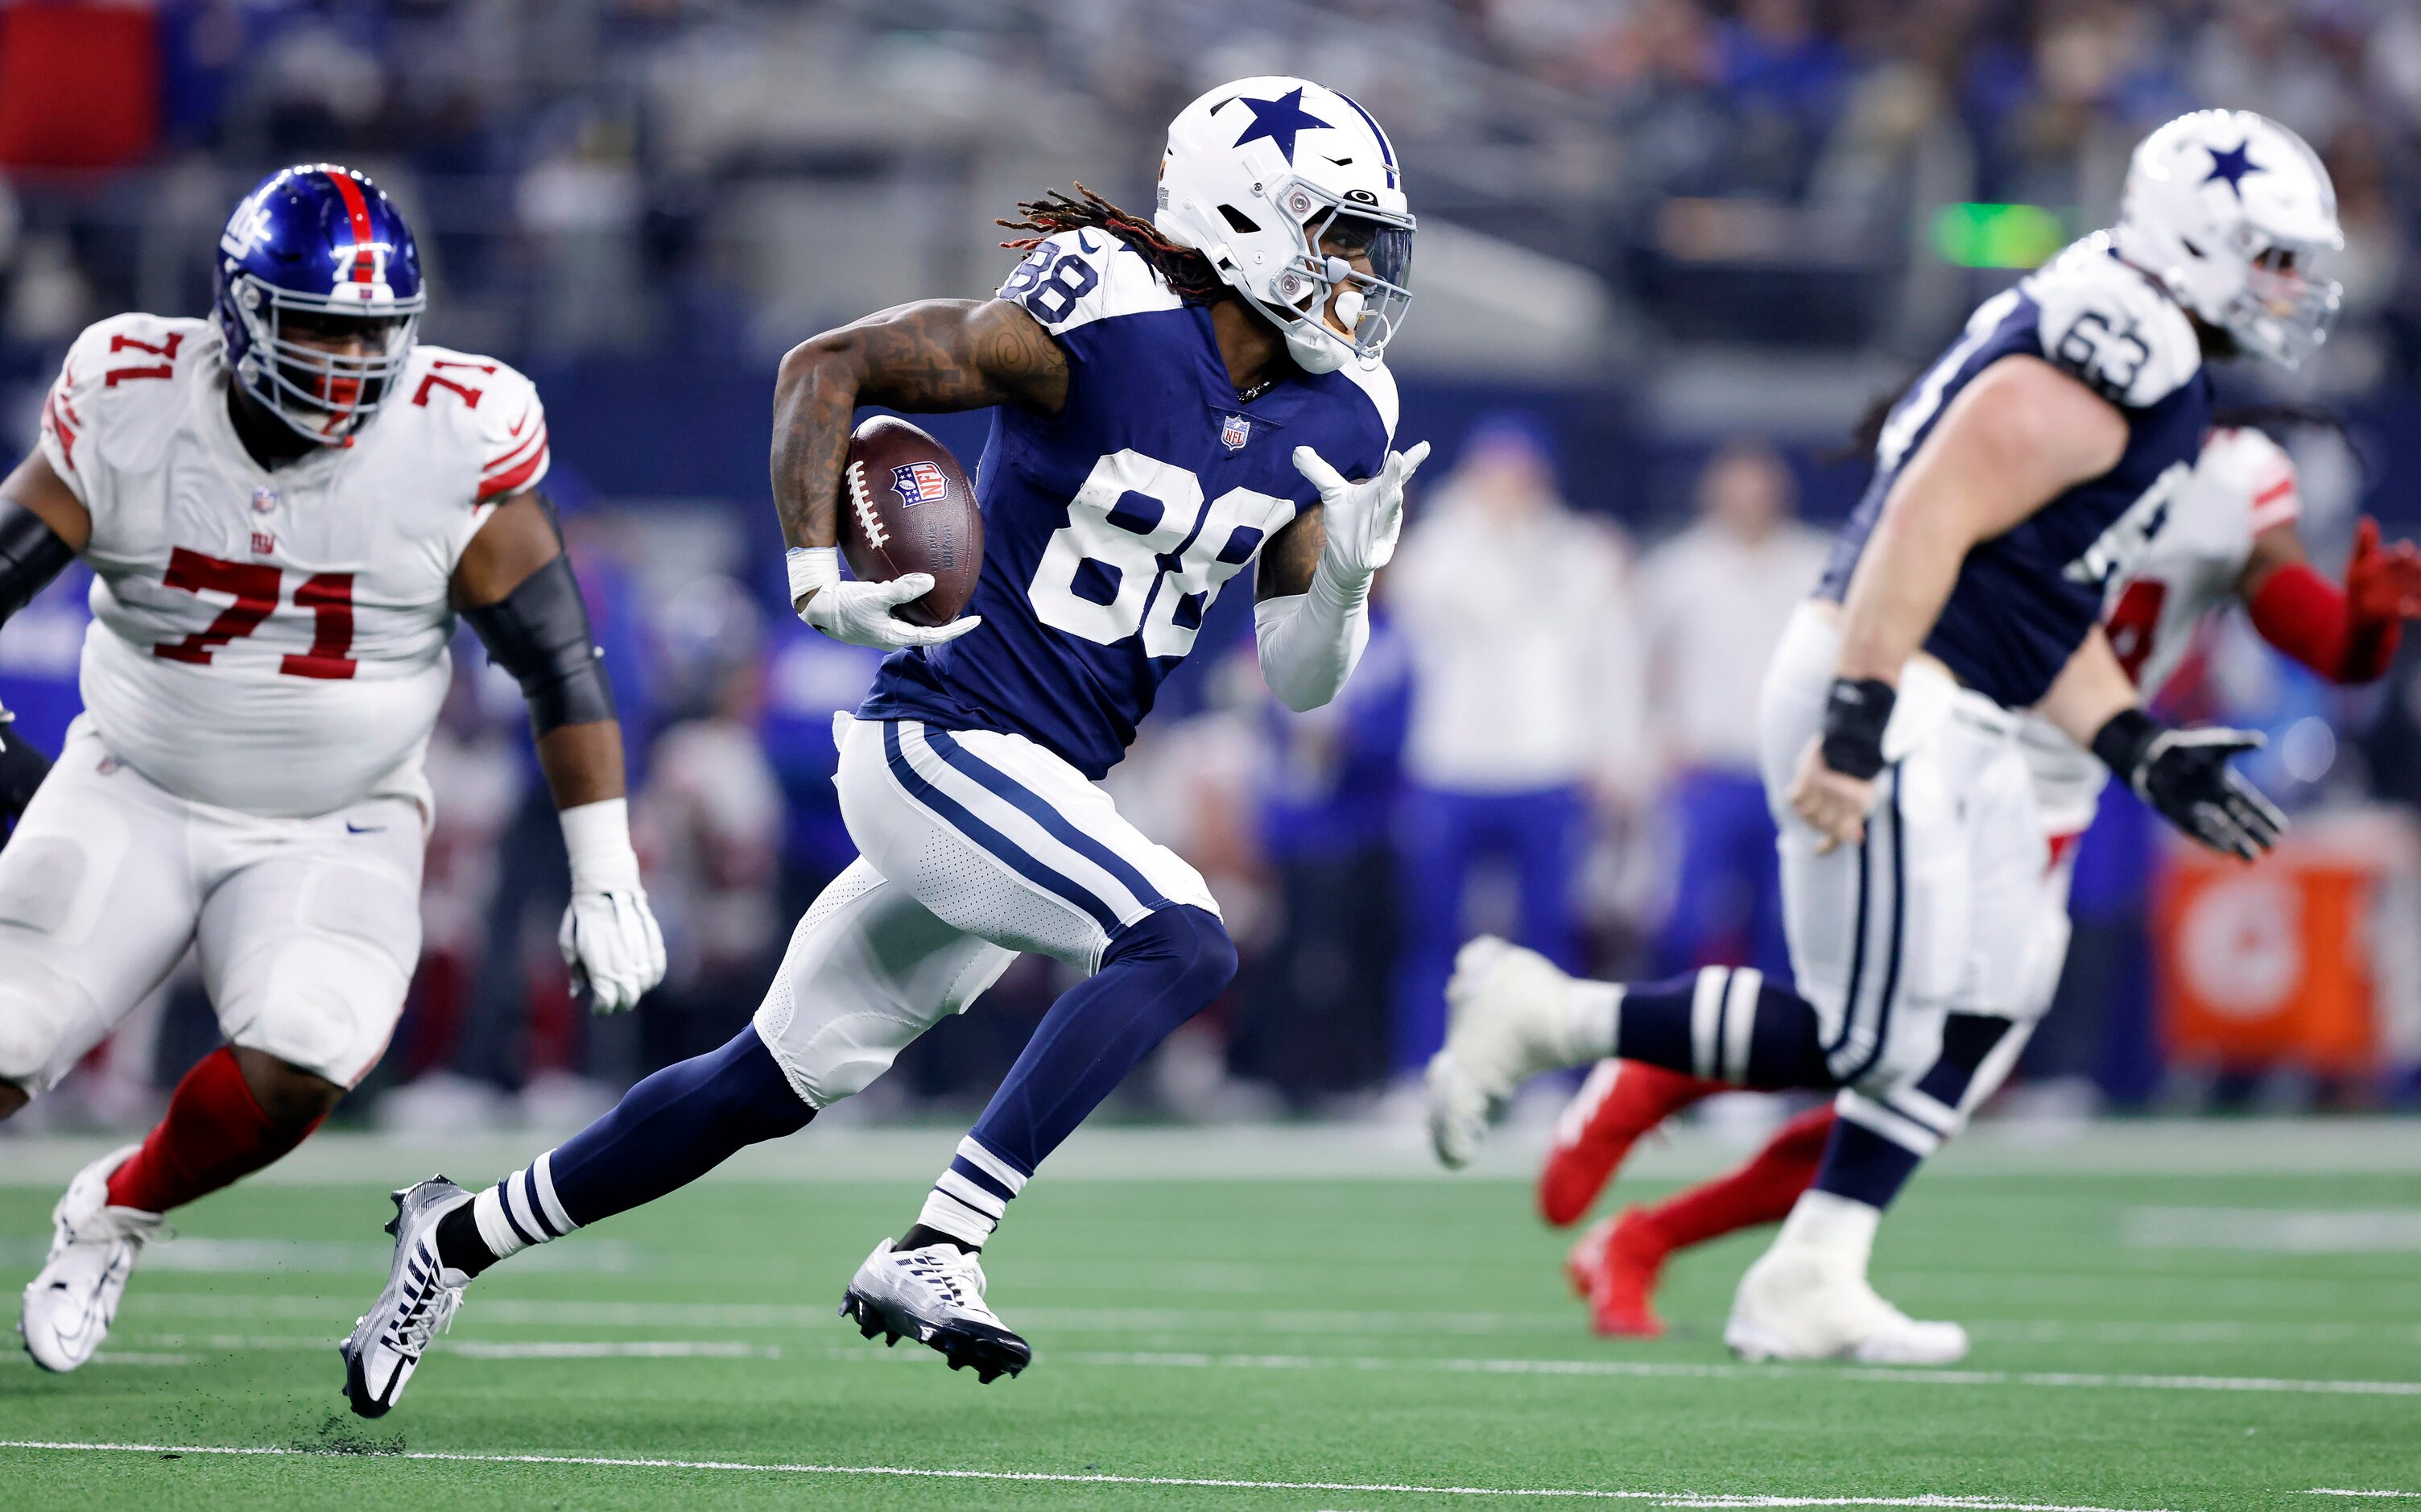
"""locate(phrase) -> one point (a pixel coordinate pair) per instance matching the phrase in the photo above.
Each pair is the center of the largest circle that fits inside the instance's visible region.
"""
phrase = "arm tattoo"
(1288, 556)
(924, 358)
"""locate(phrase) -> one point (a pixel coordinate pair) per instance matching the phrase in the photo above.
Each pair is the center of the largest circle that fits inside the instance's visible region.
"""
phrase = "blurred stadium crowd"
(1669, 248)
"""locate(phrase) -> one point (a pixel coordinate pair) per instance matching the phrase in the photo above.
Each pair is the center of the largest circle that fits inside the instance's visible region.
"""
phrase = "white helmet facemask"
(2234, 216)
(1284, 186)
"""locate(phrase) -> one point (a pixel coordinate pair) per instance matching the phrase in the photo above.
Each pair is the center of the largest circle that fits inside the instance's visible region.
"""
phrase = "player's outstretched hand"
(1363, 519)
(859, 614)
(611, 942)
(1834, 804)
(2383, 582)
(2185, 776)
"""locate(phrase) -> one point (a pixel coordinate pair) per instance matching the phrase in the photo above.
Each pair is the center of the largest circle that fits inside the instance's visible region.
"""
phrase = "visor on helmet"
(1332, 232)
(2289, 305)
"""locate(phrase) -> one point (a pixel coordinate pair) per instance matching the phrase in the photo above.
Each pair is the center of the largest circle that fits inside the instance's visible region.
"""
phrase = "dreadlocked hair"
(1182, 269)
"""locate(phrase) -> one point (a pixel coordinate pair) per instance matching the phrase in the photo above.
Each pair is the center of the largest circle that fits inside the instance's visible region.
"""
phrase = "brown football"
(906, 506)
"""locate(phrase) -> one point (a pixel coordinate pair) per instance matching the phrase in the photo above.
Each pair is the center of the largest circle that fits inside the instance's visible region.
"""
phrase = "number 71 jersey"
(1110, 527)
(274, 642)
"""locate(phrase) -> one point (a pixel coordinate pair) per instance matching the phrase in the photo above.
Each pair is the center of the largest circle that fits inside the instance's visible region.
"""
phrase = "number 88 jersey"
(274, 642)
(1111, 527)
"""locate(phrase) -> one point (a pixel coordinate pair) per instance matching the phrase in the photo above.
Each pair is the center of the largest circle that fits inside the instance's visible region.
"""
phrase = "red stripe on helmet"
(358, 210)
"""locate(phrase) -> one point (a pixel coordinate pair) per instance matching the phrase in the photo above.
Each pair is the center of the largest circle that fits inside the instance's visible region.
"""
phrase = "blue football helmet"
(317, 250)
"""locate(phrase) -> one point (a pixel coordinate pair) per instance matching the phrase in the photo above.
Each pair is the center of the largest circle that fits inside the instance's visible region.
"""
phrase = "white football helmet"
(2234, 215)
(1257, 173)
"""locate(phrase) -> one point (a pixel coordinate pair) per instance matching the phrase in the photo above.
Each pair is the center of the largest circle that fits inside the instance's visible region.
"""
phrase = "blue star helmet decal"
(1279, 119)
(2229, 167)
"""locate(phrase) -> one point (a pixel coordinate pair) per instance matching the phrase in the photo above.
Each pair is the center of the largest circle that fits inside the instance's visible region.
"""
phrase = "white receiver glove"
(1309, 642)
(859, 614)
(609, 938)
(1364, 519)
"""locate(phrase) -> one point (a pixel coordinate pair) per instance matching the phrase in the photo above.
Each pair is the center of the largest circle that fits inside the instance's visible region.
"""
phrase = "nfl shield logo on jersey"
(919, 483)
(1237, 430)
(263, 501)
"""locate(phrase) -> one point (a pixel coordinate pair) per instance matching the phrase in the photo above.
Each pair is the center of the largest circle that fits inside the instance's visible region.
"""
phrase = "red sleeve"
(2304, 615)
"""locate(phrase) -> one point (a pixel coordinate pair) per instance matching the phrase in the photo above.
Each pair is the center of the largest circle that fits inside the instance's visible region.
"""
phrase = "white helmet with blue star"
(1286, 186)
(2234, 215)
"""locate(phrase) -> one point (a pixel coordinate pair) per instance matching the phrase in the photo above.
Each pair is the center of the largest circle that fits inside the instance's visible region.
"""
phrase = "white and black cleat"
(69, 1306)
(935, 1296)
(418, 1303)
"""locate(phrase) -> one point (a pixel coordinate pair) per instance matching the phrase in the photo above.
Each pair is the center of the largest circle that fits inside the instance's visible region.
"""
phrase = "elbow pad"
(539, 634)
(31, 554)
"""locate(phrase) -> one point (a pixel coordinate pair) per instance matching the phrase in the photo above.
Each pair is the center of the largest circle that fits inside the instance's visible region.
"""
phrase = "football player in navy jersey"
(1177, 399)
(2022, 472)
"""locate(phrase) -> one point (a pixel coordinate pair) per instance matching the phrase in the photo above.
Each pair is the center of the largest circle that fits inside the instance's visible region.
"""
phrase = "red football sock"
(214, 1133)
(1760, 1192)
(1643, 1097)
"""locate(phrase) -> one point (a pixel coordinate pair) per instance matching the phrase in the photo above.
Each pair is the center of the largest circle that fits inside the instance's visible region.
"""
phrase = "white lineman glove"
(1364, 519)
(859, 614)
(609, 938)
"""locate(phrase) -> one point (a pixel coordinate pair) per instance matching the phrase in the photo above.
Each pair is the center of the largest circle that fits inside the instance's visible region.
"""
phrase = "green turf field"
(1347, 1339)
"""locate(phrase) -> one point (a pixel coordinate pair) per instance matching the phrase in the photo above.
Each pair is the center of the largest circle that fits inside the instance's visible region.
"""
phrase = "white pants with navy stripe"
(972, 846)
(1941, 908)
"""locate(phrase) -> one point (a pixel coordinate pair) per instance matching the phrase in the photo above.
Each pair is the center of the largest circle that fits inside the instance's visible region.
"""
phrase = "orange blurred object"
(2278, 964)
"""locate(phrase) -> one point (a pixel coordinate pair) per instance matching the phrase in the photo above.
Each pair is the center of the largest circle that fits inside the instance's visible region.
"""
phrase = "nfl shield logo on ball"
(1235, 432)
(919, 483)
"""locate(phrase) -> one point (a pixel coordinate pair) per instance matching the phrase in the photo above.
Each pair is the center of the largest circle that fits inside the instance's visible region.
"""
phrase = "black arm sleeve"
(31, 554)
(539, 634)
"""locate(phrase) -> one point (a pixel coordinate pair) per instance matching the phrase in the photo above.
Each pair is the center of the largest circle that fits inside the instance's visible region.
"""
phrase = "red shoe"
(1587, 1254)
(1622, 1288)
(1619, 1101)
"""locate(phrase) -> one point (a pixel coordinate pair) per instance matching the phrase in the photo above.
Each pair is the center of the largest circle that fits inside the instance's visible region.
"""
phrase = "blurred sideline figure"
(1517, 618)
(1714, 603)
(2233, 542)
(2027, 471)
(709, 821)
(286, 508)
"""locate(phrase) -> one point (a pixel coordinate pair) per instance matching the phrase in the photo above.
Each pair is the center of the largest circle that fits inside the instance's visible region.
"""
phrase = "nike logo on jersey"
(1084, 244)
(351, 828)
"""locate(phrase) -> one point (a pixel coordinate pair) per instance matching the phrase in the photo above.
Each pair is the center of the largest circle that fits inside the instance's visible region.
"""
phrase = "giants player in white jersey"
(2232, 540)
(285, 508)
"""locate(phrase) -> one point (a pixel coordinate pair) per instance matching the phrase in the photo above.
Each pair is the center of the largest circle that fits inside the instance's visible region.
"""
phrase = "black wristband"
(1856, 711)
(2121, 742)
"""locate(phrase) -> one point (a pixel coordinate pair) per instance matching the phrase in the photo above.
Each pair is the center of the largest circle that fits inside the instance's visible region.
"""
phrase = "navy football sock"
(1160, 972)
(1724, 1024)
(1881, 1139)
(665, 1133)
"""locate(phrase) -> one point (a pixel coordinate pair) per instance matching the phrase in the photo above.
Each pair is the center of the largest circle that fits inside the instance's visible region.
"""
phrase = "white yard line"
(1183, 1360)
(1673, 1499)
(543, 1313)
(2329, 1490)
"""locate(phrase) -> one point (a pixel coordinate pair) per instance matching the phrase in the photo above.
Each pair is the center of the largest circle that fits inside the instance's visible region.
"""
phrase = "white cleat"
(418, 1303)
(935, 1296)
(1810, 1300)
(69, 1305)
(1509, 1021)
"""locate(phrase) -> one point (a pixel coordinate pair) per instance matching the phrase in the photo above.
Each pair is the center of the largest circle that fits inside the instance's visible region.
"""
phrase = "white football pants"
(307, 929)
(972, 846)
